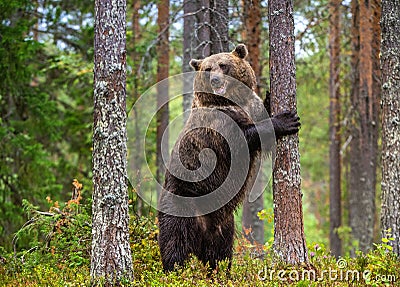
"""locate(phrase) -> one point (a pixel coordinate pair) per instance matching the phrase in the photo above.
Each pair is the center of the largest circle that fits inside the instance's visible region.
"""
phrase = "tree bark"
(365, 102)
(354, 146)
(204, 28)
(253, 227)
(196, 42)
(219, 20)
(190, 43)
(390, 63)
(335, 212)
(162, 90)
(137, 152)
(111, 254)
(251, 35)
(289, 239)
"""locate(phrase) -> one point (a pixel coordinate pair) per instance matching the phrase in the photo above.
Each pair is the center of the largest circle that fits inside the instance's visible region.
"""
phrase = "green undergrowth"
(59, 255)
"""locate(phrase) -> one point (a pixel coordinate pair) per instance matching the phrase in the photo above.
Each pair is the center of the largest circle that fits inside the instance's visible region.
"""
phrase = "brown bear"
(215, 160)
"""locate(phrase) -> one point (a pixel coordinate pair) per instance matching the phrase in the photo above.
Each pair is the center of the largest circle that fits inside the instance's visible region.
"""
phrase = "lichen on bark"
(390, 63)
(289, 239)
(111, 255)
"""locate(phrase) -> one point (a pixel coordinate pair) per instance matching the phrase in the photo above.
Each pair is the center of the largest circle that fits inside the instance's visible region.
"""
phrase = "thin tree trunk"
(252, 37)
(335, 212)
(196, 42)
(365, 103)
(111, 254)
(203, 28)
(390, 61)
(36, 25)
(375, 107)
(137, 152)
(219, 20)
(355, 83)
(250, 220)
(190, 42)
(162, 90)
(289, 239)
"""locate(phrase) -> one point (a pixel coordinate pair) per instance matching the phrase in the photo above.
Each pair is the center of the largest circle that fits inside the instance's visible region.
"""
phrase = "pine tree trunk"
(196, 42)
(111, 254)
(365, 103)
(137, 152)
(219, 19)
(190, 42)
(162, 91)
(203, 30)
(250, 220)
(376, 10)
(390, 61)
(289, 239)
(355, 83)
(252, 37)
(335, 213)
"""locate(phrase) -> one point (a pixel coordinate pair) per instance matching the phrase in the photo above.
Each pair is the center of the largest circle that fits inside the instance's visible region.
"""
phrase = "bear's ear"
(240, 51)
(195, 64)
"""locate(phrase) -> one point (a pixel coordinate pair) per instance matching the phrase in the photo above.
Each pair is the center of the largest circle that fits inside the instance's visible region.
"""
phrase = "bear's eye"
(223, 67)
(207, 69)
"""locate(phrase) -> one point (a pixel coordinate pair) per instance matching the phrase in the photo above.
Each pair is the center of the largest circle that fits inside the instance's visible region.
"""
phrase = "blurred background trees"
(46, 104)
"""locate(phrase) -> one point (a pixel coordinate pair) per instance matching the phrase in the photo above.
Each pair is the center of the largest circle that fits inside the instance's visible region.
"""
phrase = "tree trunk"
(365, 103)
(253, 227)
(219, 19)
(335, 212)
(162, 90)
(203, 28)
(289, 239)
(111, 254)
(355, 83)
(390, 61)
(376, 8)
(196, 42)
(252, 37)
(189, 44)
(137, 152)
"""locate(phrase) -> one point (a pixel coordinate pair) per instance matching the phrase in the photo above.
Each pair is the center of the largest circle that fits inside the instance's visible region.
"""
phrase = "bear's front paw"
(286, 123)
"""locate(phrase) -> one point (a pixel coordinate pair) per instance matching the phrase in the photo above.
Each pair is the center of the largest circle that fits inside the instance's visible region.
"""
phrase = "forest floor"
(61, 262)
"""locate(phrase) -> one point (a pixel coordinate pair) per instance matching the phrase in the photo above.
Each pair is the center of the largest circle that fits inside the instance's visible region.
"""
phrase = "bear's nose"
(216, 81)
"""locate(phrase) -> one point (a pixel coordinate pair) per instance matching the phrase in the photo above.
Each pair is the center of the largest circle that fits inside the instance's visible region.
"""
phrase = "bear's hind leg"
(173, 241)
(173, 255)
(220, 247)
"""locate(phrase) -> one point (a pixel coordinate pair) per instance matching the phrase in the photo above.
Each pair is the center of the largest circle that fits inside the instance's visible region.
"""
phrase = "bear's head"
(221, 70)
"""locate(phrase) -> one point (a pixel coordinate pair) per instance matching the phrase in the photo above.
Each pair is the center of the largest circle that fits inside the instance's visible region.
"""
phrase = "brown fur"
(210, 236)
